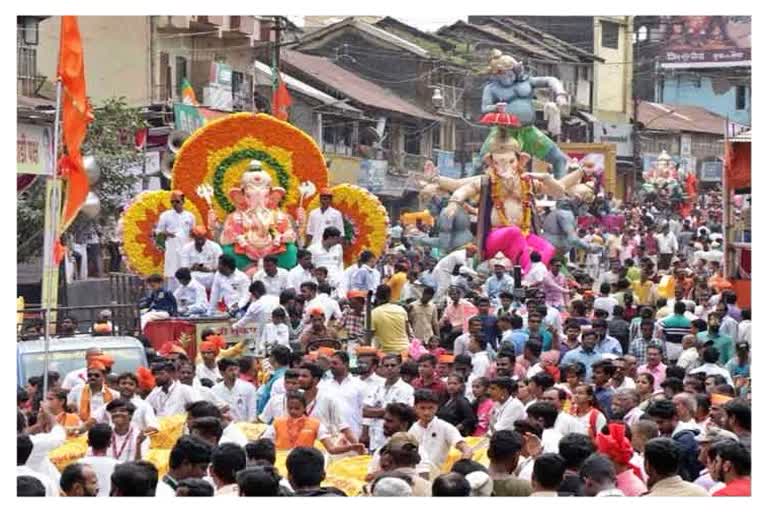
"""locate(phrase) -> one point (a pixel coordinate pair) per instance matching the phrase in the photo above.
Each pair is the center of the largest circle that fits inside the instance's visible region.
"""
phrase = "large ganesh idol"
(257, 227)
(511, 90)
(249, 175)
(505, 195)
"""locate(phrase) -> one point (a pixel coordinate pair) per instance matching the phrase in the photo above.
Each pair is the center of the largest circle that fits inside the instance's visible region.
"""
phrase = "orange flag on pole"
(75, 116)
(281, 100)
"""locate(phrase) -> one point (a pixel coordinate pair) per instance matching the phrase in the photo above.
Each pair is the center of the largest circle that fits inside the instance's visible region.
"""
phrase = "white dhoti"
(151, 316)
(172, 259)
(204, 278)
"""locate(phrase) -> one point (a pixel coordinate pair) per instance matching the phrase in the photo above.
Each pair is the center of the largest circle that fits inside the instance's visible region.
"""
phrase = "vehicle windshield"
(126, 360)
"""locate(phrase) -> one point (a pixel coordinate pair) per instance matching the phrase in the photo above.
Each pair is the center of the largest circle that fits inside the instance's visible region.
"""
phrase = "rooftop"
(351, 85)
(679, 118)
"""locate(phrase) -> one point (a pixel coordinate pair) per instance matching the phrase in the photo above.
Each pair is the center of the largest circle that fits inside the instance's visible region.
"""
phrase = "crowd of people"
(618, 372)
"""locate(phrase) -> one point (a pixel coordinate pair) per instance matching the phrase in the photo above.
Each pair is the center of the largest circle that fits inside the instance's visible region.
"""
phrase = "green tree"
(110, 139)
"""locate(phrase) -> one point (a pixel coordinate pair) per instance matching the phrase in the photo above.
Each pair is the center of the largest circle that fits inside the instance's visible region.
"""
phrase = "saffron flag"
(75, 116)
(281, 100)
(188, 94)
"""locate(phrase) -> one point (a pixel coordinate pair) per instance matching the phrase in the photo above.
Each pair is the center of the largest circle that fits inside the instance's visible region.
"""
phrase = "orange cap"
(177, 194)
(717, 399)
(316, 311)
(446, 358)
(357, 294)
(325, 351)
(325, 191)
(104, 359)
(96, 365)
(368, 351)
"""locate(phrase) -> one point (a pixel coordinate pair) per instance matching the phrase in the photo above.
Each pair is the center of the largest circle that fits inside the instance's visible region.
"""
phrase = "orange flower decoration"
(218, 153)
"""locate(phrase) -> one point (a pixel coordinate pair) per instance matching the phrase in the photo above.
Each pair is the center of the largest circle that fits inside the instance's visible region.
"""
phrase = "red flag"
(75, 116)
(281, 100)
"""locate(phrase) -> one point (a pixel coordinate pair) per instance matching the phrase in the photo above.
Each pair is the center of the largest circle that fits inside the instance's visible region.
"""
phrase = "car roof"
(84, 342)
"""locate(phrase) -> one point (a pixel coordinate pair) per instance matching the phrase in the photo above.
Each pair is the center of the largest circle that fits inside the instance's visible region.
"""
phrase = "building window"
(610, 34)
(642, 34)
(741, 97)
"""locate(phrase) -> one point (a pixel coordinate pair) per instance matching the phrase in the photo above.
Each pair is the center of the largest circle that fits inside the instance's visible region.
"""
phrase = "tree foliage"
(111, 140)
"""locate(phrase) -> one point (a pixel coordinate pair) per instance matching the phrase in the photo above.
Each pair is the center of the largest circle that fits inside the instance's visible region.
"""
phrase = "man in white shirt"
(89, 398)
(605, 302)
(667, 242)
(480, 360)
(191, 297)
(230, 286)
(46, 435)
(324, 217)
(327, 252)
(322, 404)
(174, 226)
(277, 405)
(565, 423)
(348, 390)
(238, 394)
(436, 437)
(260, 310)
(507, 408)
(275, 279)
(169, 396)
(302, 272)
(209, 351)
(201, 257)
(444, 269)
(143, 417)
(276, 332)
(99, 439)
(392, 390)
(321, 300)
(536, 272)
(545, 414)
(80, 376)
(24, 448)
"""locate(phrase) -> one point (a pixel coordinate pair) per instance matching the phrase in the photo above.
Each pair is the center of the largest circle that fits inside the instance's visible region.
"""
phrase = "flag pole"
(53, 209)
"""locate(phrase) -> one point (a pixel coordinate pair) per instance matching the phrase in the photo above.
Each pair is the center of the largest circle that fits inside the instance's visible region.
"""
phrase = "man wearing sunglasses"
(174, 227)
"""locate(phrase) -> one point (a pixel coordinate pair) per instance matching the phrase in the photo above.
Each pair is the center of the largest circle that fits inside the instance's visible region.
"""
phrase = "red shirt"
(437, 386)
(738, 487)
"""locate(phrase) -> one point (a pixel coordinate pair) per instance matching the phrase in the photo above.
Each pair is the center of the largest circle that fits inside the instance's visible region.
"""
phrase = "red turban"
(213, 344)
(145, 378)
(615, 445)
(169, 348)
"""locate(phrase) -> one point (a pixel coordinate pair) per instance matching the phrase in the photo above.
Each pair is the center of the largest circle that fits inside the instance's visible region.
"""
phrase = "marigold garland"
(142, 254)
(365, 220)
(219, 152)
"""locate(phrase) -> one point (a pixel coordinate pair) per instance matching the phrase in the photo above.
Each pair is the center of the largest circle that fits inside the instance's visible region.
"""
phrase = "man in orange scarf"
(89, 398)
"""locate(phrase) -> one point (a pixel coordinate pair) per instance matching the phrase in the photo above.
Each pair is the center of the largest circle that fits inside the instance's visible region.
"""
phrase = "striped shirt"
(674, 327)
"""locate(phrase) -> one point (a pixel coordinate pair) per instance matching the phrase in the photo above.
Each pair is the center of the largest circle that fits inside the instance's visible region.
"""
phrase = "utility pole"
(636, 159)
(277, 27)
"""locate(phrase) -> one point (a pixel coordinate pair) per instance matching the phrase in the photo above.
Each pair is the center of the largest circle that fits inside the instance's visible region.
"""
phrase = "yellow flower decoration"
(141, 253)
(72, 450)
(365, 220)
